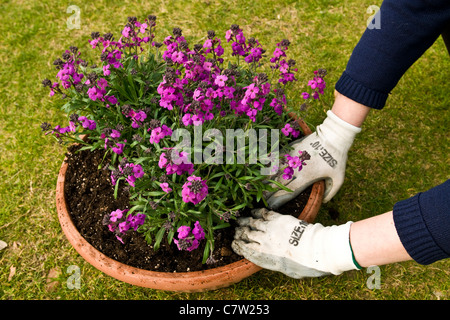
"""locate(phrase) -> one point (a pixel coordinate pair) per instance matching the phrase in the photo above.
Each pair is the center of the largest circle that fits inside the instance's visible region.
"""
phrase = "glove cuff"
(335, 251)
(337, 131)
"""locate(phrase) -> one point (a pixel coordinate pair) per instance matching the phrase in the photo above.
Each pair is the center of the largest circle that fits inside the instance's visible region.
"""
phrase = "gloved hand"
(283, 243)
(328, 148)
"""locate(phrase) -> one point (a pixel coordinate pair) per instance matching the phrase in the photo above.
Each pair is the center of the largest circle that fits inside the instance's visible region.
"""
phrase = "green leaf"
(218, 184)
(280, 185)
(155, 193)
(116, 187)
(240, 206)
(219, 174)
(206, 251)
(159, 236)
(221, 226)
(247, 178)
(132, 87)
(123, 92)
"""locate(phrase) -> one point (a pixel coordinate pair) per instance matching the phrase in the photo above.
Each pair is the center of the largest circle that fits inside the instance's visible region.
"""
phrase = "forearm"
(382, 56)
(375, 241)
(349, 110)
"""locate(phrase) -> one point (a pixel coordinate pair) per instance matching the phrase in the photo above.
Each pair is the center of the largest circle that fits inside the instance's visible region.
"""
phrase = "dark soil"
(90, 195)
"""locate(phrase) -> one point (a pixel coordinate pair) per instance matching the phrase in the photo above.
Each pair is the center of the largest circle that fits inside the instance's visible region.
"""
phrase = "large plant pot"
(182, 281)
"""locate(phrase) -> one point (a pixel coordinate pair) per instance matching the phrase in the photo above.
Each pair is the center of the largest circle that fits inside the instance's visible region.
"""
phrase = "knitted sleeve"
(423, 224)
(403, 31)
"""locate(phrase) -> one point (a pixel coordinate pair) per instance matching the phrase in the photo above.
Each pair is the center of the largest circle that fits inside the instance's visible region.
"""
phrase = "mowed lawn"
(402, 150)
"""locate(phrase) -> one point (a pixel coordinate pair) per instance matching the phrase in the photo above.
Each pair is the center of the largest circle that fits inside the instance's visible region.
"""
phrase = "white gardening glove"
(328, 148)
(283, 243)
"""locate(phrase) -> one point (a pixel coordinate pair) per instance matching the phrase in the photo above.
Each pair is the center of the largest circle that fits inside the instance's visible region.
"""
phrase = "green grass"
(402, 150)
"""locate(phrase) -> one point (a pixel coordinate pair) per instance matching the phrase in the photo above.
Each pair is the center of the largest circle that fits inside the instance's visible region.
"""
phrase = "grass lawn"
(402, 149)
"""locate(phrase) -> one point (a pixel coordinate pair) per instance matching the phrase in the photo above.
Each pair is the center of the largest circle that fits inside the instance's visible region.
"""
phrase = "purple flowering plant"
(144, 96)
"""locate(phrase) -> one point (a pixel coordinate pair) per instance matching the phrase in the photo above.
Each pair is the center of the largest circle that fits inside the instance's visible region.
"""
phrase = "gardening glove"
(328, 148)
(283, 243)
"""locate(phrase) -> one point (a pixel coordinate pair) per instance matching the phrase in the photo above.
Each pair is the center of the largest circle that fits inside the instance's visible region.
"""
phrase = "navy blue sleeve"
(403, 31)
(423, 224)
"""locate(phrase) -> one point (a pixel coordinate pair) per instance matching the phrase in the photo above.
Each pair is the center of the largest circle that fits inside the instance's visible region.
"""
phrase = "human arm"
(375, 241)
(381, 57)
(288, 245)
(349, 110)
(418, 228)
(407, 28)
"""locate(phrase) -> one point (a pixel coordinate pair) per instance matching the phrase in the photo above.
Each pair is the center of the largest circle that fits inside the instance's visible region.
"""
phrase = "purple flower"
(288, 173)
(194, 190)
(87, 123)
(187, 119)
(111, 99)
(287, 130)
(95, 93)
(183, 232)
(165, 187)
(124, 226)
(220, 80)
(228, 35)
(277, 54)
(116, 215)
(189, 239)
(138, 172)
(175, 162)
(135, 221)
(115, 134)
(106, 71)
(252, 91)
(219, 50)
(126, 32)
(118, 149)
(142, 27)
(159, 133)
(229, 92)
(119, 223)
(207, 44)
(294, 162)
(102, 83)
(198, 231)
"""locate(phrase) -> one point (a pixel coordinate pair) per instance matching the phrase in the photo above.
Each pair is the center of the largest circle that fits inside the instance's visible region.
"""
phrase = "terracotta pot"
(183, 281)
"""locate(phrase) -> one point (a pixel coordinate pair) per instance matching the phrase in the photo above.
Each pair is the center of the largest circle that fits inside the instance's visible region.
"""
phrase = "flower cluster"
(129, 171)
(175, 162)
(291, 129)
(74, 122)
(317, 84)
(194, 190)
(159, 133)
(119, 222)
(142, 91)
(189, 239)
(250, 49)
(295, 162)
(285, 68)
